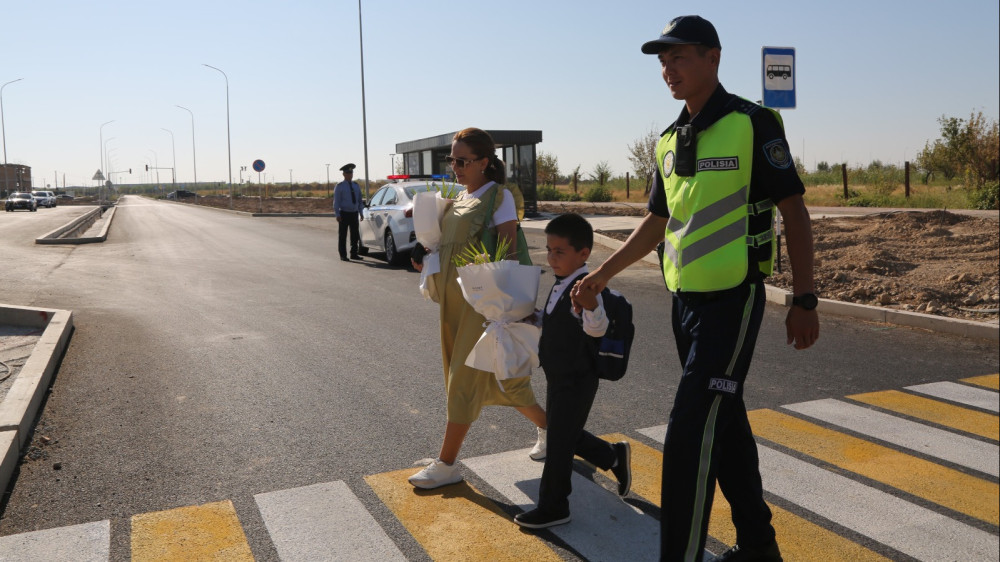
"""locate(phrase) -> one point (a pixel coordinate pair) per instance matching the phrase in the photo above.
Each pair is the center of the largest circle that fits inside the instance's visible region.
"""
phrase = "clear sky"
(873, 77)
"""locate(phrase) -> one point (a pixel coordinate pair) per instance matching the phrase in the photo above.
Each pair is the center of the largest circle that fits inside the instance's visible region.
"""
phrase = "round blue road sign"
(258, 165)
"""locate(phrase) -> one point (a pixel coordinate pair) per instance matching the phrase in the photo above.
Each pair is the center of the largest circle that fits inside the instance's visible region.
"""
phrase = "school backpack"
(615, 346)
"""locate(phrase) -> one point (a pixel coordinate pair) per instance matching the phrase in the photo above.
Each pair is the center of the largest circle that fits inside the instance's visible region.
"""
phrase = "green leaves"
(477, 253)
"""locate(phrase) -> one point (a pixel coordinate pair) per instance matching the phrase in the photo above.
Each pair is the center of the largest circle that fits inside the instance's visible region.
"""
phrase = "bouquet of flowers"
(504, 292)
(428, 209)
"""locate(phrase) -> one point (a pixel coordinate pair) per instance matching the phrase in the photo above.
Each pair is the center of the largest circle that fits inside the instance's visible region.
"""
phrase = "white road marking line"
(977, 397)
(945, 445)
(324, 522)
(89, 542)
(603, 527)
(906, 527)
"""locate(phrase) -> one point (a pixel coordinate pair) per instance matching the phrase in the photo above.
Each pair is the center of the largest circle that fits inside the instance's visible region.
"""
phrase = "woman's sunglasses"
(458, 163)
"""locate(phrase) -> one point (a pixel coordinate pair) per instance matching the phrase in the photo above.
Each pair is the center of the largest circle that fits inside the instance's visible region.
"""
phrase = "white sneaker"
(537, 452)
(436, 474)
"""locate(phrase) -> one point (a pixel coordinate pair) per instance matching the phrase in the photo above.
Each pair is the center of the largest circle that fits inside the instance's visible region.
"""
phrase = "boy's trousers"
(709, 436)
(567, 405)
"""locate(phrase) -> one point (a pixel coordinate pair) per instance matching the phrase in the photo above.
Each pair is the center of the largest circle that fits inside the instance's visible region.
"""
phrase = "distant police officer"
(347, 205)
(723, 167)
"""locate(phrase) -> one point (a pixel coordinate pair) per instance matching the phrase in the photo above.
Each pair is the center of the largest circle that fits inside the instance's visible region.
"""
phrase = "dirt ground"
(934, 262)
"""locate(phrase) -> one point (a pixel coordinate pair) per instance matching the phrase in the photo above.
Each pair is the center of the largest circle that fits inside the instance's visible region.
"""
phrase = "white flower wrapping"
(428, 209)
(504, 292)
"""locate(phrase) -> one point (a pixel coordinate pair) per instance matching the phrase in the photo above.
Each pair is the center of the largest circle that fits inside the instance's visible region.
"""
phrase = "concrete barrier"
(66, 234)
(20, 406)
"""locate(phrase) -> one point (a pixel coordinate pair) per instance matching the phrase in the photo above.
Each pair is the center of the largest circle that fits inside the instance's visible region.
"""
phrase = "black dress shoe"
(355, 257)
(769, 553)
(343, 258)
(538, 519)
(623, 470)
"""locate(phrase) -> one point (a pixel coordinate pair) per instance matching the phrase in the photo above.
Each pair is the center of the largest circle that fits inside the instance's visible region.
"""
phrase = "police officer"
(347, 205)
(723, 167)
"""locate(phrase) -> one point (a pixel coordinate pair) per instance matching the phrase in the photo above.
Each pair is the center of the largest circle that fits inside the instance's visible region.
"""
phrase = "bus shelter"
(517, 150)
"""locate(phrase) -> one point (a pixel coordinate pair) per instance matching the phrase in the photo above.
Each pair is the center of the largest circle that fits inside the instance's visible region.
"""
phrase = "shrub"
(549, 193)
(986, 197)
(598, 194)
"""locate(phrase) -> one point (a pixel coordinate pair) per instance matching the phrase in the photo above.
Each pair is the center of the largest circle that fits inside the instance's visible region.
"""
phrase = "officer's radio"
(687, 156)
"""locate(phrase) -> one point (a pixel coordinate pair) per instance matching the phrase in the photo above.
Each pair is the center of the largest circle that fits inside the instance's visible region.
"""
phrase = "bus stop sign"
(777, 69)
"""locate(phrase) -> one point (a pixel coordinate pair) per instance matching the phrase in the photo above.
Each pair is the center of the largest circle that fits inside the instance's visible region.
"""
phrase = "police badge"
(668, 164)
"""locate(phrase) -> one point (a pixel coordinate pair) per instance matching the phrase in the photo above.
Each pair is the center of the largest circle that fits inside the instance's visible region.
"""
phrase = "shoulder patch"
(777, 153)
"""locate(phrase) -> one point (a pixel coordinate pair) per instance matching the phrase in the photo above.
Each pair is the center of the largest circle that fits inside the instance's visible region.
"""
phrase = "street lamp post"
(229, 144)
(327, 180)
(3, 132)
(156, 160)
(194, 155)
(364, 119)
(173, 165)
(101, 136)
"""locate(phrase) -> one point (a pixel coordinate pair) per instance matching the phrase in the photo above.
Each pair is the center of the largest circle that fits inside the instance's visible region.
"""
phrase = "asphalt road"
(218, 355)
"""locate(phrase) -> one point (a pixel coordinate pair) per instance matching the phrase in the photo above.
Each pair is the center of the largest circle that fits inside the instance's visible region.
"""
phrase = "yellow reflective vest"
(707, 240)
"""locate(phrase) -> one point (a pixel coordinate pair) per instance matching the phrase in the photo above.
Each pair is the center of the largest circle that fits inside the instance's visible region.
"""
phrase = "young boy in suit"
(568, 360)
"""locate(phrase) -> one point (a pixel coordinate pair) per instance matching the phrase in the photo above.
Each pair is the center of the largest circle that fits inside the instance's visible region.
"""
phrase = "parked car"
(45, 198)
(65, 196)
(388, 224)
(181, 194)
(21, 200)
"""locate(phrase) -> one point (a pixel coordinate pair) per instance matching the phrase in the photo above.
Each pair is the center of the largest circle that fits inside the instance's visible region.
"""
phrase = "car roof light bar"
(418, 177)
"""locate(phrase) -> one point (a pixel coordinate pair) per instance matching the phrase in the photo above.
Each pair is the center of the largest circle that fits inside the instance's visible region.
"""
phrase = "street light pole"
(364, 119)
(3, 132)
(156, 160)
(101, 136)
(194, 155)
(229, 143)
(327, 180)
(173, 166)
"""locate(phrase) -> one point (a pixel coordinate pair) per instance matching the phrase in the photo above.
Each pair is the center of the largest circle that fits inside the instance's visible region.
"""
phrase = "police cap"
(347, 168)
(684, 30)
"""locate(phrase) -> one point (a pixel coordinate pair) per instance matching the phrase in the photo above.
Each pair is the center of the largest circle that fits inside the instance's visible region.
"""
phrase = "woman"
(468, 390)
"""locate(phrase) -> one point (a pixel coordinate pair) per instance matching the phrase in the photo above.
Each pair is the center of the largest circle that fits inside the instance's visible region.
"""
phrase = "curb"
(55, 237)
(19, 408)
(955, 326)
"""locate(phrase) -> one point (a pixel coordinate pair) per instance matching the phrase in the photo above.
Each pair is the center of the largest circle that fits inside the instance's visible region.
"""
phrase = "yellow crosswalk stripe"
(956, 417)
(799, 539)
(204, 532)
(456, 522)
(942, 485)
(986, 381)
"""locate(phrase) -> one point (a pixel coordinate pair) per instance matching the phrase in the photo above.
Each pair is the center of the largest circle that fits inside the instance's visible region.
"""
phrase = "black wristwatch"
(805, 301)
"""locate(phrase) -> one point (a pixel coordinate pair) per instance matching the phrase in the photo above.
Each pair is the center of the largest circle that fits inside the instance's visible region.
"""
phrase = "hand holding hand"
(583, 296)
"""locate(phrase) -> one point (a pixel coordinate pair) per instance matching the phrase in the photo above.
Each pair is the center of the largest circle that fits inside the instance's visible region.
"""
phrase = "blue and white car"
(388, 218)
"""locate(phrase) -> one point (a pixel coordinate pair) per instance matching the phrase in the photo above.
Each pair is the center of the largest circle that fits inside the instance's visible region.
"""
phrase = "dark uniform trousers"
(709, 436)
(348, 220)
(571, 387)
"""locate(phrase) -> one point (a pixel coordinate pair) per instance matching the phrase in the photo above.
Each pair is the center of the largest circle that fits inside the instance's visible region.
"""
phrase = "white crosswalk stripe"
(603, 526)
(89, 542)
(976, 397)
(324, 522)
(938, 443)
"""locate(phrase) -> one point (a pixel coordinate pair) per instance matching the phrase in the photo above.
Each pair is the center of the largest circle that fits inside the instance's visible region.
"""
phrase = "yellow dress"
(468, 389)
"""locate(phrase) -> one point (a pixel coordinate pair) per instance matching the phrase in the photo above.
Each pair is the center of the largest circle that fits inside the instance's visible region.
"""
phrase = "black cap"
(347, 168)
(684, 30)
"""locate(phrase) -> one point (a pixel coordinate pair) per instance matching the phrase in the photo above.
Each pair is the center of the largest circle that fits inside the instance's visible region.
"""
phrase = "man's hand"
(584, 295)
(802, 327)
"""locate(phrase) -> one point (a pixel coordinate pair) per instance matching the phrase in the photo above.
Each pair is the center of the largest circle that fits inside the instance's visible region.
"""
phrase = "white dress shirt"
(595, 322)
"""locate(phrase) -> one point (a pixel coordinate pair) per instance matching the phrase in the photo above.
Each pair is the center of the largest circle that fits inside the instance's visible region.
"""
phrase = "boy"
(566, 352)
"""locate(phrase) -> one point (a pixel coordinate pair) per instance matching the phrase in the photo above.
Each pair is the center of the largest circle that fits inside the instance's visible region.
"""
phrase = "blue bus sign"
(777, 71)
